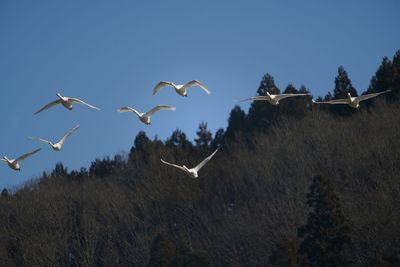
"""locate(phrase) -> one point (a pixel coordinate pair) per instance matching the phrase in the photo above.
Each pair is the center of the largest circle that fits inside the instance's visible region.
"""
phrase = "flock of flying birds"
(181, 89)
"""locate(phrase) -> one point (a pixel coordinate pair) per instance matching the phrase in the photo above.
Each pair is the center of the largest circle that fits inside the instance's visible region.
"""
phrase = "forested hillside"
(297, 184)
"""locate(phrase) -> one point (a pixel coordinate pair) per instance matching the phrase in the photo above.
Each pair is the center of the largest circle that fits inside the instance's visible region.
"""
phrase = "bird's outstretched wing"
(49, 105)
(3, 160)
(201, 164)
(129, 109)
(77, 100)
(196, 83)
(25, 156)
(173, 165)
(333, 102)
(255, 98)
(365, 97)
(61, 142)
(283, 96)
(158, 108)
(39, 139)
(160, 85)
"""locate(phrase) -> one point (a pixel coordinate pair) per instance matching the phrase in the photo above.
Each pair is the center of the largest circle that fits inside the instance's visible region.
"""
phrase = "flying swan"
(180, 88)
(57, 146)
(271, 98)
(353, 102)
(193, 172)
(14, 163)
(66, 102)
(146, 117)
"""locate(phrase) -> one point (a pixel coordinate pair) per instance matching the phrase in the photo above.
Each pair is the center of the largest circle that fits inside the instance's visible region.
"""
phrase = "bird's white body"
(146, 117)
(352, 101)
(272, 98)
(57, 146)
(181, 89)
(15, 163)
(66, 102)
(192, 172)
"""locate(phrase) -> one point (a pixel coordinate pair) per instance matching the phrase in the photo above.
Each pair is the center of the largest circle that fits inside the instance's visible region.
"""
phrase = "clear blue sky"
(112, 53)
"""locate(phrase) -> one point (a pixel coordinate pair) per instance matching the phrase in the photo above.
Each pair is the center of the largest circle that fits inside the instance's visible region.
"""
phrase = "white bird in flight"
(15, 163)
(193, 172)
(146, 117)
(271, 98)
(353, 102)
(180, 88)
(66, 102)
(57, 146)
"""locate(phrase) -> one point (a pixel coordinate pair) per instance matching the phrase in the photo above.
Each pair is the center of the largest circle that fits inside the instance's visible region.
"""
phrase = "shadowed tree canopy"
(4, 193)
(387, 77)
(295, 106)
(237, 123)
(178, 139)
(261, 113)
(326, 232)
(218, 139)
(396, 76)
(284, 254)
(343, 86)
(383, 78)
(59, 170)
(204, 137)
(141, 140)
(161, 252)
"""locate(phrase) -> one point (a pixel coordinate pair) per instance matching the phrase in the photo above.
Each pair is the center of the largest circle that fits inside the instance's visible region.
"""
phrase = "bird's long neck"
(349, 95)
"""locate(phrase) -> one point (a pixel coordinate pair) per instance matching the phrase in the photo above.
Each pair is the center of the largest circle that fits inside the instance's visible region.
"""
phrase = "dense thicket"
(246, 207)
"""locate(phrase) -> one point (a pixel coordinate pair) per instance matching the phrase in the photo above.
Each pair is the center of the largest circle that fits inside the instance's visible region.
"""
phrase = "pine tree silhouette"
(327, 232)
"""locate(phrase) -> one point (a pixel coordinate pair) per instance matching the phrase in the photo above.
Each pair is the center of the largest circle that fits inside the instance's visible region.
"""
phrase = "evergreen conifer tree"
(178, 139)
(343, 86)
(237, 123)
(204, 137)
(161, 253)
(327, 232)
(218, 139)
(261, 113)
(296, 106)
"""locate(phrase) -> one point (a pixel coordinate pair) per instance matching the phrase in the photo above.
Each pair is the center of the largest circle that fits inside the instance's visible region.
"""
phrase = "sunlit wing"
(160, 85)
(333, 102)
(254, 98)
(173, 165)
(283, 96)
(196, 83)
(27, 155)
(3, 160)
(77, 100)
(201, 164)
(40, 139)
(129, 109)
(61, 142)
(158, 108)
(49, 105)
(365, 97)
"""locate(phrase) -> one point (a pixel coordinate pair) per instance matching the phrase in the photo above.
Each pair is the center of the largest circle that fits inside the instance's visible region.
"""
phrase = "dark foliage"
(262, 115)
(204, 137)
(326, 232)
